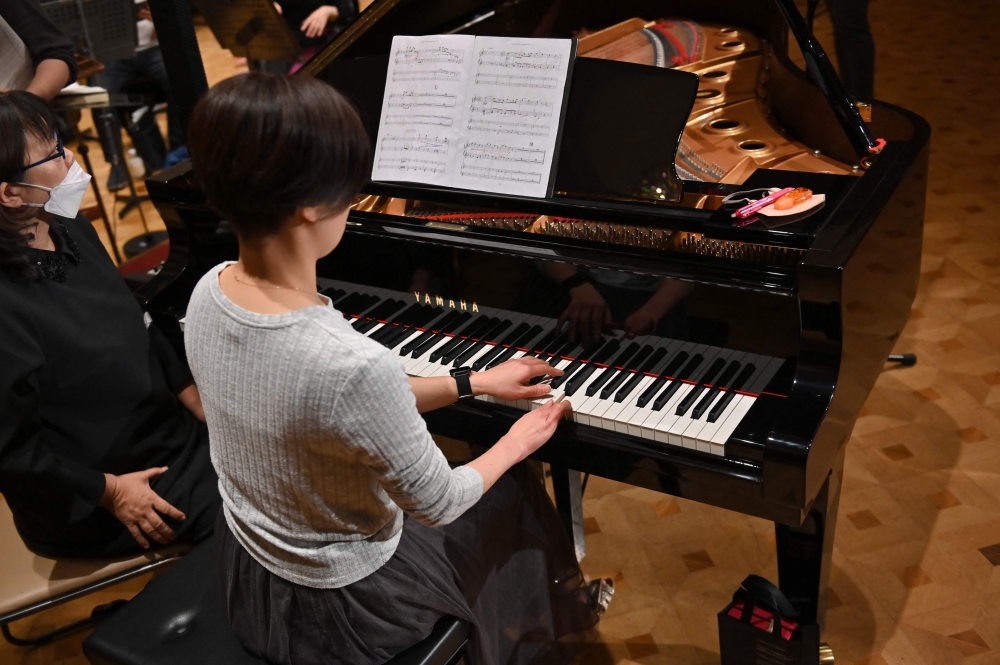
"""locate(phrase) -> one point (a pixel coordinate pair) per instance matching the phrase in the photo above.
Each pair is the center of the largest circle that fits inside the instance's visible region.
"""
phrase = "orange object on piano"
(793, 198)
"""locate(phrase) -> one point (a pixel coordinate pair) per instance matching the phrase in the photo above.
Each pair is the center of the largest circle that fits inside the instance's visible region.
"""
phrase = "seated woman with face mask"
(103, 448)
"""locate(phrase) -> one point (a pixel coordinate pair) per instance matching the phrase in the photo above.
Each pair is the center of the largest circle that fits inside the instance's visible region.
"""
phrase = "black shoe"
(116, 179)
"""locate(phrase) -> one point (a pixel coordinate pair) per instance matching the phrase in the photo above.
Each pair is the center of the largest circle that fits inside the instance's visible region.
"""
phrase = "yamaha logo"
(428, 299)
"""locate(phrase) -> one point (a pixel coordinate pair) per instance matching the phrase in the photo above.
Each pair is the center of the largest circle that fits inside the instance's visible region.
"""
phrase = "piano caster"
(825, 654)
(904, 359)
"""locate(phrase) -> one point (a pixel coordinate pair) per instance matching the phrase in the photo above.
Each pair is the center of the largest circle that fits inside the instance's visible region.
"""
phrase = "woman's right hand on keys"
(533, 429)
(525, 437)
(134, 503)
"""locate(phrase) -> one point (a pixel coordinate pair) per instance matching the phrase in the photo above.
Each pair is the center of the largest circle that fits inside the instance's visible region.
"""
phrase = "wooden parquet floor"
(916, 577)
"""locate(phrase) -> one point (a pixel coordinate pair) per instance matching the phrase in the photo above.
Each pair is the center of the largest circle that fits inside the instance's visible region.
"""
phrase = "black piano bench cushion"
(179, 619)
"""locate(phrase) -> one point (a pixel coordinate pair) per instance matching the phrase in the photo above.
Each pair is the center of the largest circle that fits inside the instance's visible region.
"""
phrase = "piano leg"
(805, 553)
(566, 483)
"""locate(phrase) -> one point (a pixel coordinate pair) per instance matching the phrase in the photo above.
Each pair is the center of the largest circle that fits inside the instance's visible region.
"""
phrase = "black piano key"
(523, 342)
(565, 351)
(738, 383)
(611, 386)
(678, 381)
(348, 302)
(379, 313)
(658, 384)
(538, 345)
(470, 330)
(695, 392)
(398, 327)
(580, 378)
(436, 337)
(607, 351)
(428, 334)
(491, 336)
(333, 293)
(388, 314)
(407, 322)
(472, 342)
(504, 344)
(612, 368)
(636, 378)
(599, 351)
(592, 350)
(555, 344)
(568, 372)
(400, 318)
(713, 393)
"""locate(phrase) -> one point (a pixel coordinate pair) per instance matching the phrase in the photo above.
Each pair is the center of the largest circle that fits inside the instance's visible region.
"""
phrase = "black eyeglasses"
(60, 153)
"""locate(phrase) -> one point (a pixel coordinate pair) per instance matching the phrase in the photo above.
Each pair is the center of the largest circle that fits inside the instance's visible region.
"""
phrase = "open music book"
(480, 113)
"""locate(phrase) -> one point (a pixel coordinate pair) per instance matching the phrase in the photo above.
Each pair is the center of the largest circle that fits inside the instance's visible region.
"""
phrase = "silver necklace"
(236, 276)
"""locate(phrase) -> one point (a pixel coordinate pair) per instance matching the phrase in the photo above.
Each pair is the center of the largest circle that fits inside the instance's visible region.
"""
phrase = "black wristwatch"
(573, 281)
(461, 375)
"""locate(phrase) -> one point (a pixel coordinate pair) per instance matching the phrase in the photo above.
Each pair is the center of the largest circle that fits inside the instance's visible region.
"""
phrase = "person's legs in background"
(855, 46)
(114, 77)
(150, 65)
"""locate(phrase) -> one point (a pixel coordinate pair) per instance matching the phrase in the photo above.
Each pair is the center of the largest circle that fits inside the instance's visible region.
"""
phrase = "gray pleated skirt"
(506, 566)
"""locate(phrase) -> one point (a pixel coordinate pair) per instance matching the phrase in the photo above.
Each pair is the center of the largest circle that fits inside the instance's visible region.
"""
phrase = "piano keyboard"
(668, 391)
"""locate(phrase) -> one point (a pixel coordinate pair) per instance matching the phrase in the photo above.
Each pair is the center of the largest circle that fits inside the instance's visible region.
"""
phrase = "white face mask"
(64, 198)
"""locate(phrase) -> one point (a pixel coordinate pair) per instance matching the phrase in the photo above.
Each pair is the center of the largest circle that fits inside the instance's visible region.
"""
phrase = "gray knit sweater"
(316, 439)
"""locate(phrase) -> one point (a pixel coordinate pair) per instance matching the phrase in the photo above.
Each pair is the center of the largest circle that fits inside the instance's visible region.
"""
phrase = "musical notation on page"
(419, 56)
(419, 119)
(503, 152)
(426, 75)
(479, 113)
(405, 164)
(520, 59)
(437, 145)
(516, 128)
(515, 81)
(407, 99)
(522, 107)
(509, 175)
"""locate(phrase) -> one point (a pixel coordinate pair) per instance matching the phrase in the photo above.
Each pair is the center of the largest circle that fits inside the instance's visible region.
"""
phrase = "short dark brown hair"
(263, 145)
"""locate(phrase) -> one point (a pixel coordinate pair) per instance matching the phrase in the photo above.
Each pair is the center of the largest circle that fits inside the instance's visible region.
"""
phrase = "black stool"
(178, 619)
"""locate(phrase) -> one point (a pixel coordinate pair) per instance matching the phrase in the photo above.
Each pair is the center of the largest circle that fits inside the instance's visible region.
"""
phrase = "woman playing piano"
(345, 534)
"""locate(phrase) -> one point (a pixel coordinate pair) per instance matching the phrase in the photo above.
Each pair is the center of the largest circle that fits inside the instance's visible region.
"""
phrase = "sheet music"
(421, 121)
(478, 113)
(511, 115)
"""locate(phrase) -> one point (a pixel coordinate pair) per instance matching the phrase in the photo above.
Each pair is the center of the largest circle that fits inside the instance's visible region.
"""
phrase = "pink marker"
(751, 208)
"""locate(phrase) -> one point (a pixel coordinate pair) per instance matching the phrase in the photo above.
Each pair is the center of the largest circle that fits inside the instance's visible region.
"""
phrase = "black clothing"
(296, 11)
(855, 46)
(145, 64)
(86, 389)
(40, 35)
(506, 566)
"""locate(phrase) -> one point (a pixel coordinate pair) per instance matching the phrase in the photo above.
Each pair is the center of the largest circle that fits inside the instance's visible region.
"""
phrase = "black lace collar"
(53, 263)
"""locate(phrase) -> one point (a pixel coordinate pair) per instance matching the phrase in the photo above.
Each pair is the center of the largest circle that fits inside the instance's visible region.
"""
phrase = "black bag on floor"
(760, 627)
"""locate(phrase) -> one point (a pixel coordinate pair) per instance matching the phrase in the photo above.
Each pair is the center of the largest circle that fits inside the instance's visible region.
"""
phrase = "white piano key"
(735, 417)
(624, 415)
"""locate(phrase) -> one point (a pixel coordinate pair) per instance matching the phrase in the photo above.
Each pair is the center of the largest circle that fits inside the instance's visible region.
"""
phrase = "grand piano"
(723, 363)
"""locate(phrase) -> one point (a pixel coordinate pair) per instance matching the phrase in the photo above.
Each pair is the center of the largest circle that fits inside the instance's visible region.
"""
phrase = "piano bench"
(179, 619)
(32, 583)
